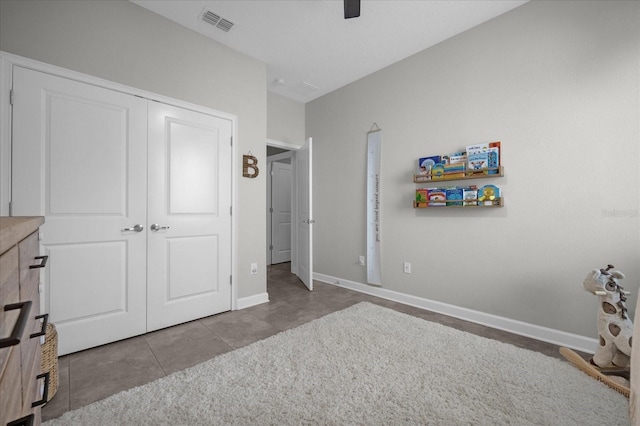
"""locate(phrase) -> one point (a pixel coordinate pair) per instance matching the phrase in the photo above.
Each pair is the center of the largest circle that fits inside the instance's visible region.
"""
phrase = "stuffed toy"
(614, 326)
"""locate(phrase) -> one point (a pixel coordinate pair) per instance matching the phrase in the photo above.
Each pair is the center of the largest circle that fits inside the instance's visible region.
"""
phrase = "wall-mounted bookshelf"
(492, 172)
(496, 202)
(486, 196)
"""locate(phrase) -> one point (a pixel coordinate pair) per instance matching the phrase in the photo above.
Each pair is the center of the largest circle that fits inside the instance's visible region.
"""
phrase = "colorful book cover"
(458, 157)
(496, 144)
(493, 156)
(437, 197)
(451, 169)
(488, 194)
(437, 172)
(478, 161)
(474, 149)
(422, 197)
(470, 196)
(454, 196)
(425, 164)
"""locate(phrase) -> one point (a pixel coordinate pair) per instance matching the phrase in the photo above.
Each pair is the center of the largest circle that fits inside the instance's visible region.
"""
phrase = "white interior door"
(189, 237)
(80, 160)
(280, 212)
(305, 213)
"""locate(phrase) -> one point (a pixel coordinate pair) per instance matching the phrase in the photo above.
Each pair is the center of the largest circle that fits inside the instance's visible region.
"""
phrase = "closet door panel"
(189, 252)
(80, 160)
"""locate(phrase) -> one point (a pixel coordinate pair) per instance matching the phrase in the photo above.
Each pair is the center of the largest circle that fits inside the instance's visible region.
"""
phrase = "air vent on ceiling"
(210, 18)
(216, 20)
(224, 25)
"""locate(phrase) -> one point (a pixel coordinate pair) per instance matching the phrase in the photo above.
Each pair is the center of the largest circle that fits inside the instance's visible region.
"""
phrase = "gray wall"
(122, 42)
(557, 83)
(285, 119)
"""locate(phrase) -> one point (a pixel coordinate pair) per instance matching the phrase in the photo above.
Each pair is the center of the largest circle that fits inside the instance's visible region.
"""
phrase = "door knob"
(155, 227)
(136, 228)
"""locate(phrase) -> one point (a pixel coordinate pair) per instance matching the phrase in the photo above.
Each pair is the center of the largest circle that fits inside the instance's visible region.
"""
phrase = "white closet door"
(80, 160)
(189, 252)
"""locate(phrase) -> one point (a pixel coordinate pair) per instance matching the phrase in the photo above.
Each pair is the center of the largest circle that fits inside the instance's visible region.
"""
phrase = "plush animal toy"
(614, 326)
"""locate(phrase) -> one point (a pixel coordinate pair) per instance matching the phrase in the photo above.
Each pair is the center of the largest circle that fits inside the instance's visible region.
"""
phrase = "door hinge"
(10, 208)
(230, 210)
(270, 209)
(231, 140)
(11, 97)
(230, 279)
(271, 247)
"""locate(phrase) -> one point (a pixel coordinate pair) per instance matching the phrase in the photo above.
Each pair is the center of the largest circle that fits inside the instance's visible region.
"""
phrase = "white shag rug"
(367, 365)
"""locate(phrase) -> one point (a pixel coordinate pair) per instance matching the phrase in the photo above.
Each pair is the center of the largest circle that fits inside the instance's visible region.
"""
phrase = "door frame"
(9, 60)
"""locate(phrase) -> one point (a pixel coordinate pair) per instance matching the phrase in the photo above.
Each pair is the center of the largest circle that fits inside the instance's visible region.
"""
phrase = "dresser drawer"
(10, 400)
(20, 268)
(31, 384)
(9, 293)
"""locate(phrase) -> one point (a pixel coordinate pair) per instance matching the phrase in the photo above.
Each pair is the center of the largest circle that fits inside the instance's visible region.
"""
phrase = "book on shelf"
(488, 194)
(437, 197)
(451, 169)
(458, 158)
(478, 161)
(422, 195)
(454, 196)
(474, 149)
(493, 160)
(497, 144)
(470, 196)
(437, 172)
(425, 165)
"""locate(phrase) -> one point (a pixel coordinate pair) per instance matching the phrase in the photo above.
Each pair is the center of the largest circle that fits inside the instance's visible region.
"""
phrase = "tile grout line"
(155, 357)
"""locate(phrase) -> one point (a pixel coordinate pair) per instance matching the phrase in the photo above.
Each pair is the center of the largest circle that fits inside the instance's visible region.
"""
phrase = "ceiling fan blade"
(351, 9)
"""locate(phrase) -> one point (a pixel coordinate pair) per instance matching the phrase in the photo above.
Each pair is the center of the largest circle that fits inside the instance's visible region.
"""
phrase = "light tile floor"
(94, 374)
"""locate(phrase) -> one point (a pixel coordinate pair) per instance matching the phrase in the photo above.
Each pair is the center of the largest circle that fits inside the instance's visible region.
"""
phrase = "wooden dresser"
(21, 325)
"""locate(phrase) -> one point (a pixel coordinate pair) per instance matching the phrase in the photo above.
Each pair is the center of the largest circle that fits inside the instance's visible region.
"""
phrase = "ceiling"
(311, 50)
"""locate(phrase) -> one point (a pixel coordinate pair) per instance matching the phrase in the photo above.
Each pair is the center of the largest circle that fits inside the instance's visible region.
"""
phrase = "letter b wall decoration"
(250, 166)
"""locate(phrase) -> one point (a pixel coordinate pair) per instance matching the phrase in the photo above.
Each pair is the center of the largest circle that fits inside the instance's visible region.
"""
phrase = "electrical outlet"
(254, 268)
(406, 267)
(361, 260)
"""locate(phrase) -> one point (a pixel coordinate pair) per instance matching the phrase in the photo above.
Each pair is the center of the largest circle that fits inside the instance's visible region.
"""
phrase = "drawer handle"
(43, 330)
(25, 421)
(14, 338)
(45, 394)
(42, 264)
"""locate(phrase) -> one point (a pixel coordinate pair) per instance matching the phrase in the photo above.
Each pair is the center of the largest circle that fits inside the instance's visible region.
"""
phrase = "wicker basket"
(50, 358)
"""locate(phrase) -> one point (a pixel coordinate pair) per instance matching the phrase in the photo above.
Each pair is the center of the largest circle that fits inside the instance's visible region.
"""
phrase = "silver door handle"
(136, 228)
(155, 227)
(309, 221)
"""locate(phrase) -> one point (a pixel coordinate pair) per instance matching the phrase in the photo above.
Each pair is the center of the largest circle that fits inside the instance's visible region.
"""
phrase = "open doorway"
(297, 228)
(280, 187)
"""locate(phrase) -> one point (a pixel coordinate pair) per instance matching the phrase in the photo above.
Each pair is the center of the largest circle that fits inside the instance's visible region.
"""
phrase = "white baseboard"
(247, 302)
(556, 337)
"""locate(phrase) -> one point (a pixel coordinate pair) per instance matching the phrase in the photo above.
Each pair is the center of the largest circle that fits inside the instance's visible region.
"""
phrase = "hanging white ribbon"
(374, 147)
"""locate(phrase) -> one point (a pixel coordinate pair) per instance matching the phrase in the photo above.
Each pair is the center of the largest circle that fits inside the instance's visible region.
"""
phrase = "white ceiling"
(311, 50)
